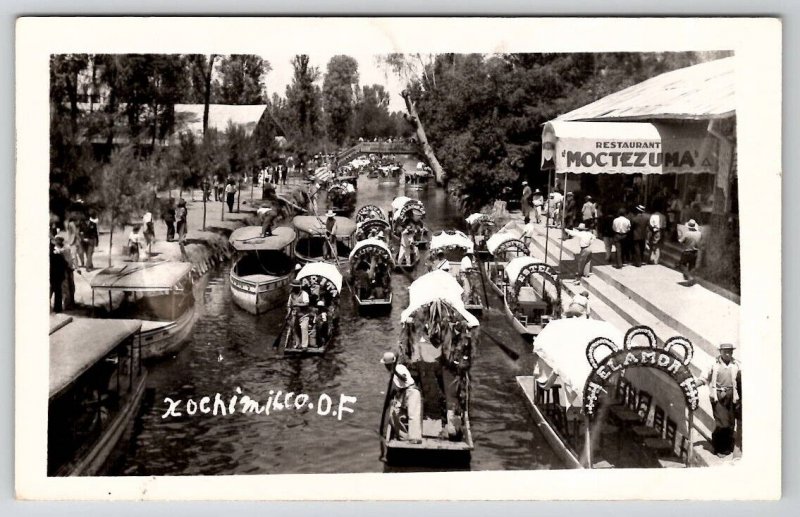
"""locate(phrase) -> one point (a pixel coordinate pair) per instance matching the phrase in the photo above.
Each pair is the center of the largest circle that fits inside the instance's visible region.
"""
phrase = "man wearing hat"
(639, 227)
(585, 238)
(90, 239)
(569, 212)
(298, 310)
(538, 204)
(330, 234)
(267, 216)
(690, 242)
(321, 324)
(588, 213)
(525, 201)
(578, 306)
(464, 270)
(724, 379)
(406, 405)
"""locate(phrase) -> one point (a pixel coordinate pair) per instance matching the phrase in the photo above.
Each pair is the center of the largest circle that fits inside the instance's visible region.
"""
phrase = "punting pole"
(588, 445)
(563, 219)
(690, 437)
(547, 215)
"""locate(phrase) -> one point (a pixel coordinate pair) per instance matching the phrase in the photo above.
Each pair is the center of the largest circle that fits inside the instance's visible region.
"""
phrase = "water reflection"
(231, 349)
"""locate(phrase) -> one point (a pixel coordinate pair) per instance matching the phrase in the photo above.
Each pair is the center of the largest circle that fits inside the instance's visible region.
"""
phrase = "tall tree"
(372, 118)
(242, 79)
(202, 68)
(338, 96)
(304, 106)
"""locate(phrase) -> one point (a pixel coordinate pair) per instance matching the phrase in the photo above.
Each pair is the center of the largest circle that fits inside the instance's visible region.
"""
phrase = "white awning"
(454, 239)
(322, 269)
(473, 218)
(376, 245)
(501, 238)
(627, 148)
(561, 353)
(433, 286)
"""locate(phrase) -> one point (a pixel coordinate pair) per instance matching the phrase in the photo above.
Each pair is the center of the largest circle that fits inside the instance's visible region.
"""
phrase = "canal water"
(230, 351)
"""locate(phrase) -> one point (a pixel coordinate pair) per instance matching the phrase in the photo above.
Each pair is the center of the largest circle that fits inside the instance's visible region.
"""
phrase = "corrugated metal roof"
(699, 92)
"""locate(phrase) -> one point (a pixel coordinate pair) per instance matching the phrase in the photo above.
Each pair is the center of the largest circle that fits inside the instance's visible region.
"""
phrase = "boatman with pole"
(330, 233)
(406, 407)
(298, 310)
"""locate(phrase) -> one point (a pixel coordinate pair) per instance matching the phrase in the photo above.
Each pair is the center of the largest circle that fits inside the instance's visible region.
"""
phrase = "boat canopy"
(370, 246)
(436, 286)
(452, 239)
(142, 276)
(483, 218)
(411, 204)
(249, 238)
(369, 224)
(505, 241)
(315, 272)
(367, 212)
(560, 350)
(399, 202)
(316, 225)
(515, 228)
(520, 268)
(76, 344)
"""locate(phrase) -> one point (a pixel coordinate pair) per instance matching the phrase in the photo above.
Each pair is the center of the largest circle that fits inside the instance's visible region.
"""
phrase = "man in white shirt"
(579, 306)
(585, 238)
(464, 271)
(406, 408)
(298, 309)
(621, 227)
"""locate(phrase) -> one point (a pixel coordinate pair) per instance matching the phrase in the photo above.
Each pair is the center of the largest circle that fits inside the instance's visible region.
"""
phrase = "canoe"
(158, 293)
(323, 282)
(97, 382)
(372, 255)
(263, 268)
(311, 244)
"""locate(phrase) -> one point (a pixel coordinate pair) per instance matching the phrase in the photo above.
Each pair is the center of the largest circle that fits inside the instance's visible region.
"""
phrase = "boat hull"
(161, 338)
(259, 297)
(374, 305)
(93, 461)
(528, 332)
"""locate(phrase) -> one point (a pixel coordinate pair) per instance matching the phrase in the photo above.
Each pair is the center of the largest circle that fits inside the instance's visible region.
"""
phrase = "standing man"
(298, 310)
(569, 212)
(169, 220)
(58, 273)
(655, 235)
(525, 202)
(690, 241)
(605, 219)
(585, 238)
(588, 213)
(554, 207)
(640, 223)
(406, 408)
(621, 226)
(267, 216)
(90, 239)
(230, 195)
(406, 241)
(538, 203)
(330, 234)
(74, 241)
(723, 379)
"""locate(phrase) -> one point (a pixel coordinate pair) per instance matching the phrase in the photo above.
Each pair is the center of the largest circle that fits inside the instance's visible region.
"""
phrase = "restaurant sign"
(665, 358)
(626, 148)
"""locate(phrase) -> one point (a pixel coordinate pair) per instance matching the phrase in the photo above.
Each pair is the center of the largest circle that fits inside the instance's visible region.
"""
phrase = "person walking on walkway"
(569, 212)
(149, 232)
(230, 195)
(169, 220)
(59, 268)
(73, 241)
(538, 204)
(525, 201)
(90, 238)
(621, 226)
(605, 231)
(690, 241)
(589, 213)
(585, 238)
(639, 225)
(655, 235)
(724, 379)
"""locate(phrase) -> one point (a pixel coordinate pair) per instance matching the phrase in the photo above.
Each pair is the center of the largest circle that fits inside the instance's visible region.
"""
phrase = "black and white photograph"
(349, 261)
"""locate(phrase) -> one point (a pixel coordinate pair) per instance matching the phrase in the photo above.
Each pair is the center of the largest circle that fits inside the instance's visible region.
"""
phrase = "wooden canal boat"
(97, 382)
(480, 227)
(342, 198)
(311, 244)
(532, 297)
(455, 245)
(409, 212)
(603, 401)
(373, 229)
(158, 293)
(323, 284)
(371, 264)
(501, 247)
(422, 434)
(262, 267)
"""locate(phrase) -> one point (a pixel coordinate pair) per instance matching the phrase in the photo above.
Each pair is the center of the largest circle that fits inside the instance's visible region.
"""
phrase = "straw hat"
(330, 213)
(581, 226)
(727, 346)
(640, 208)
(388, 358)
(691, 224)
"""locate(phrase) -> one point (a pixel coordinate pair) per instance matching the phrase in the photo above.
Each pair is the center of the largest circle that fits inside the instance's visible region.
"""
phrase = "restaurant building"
(668, 143)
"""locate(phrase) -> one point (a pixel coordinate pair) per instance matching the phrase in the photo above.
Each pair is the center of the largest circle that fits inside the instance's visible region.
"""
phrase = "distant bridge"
(377, 148)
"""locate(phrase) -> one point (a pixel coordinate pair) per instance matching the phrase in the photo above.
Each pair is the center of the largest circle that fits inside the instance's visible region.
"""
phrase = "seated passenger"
(406, 405)
(322, 324)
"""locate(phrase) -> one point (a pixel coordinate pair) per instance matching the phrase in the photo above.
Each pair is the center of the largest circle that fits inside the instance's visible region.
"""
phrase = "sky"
(369, 72)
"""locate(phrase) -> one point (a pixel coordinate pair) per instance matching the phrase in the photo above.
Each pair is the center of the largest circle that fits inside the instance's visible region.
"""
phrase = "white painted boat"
(97, 382)
(311, 244)
(158, 293)
(263, 268)
(375, 259)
